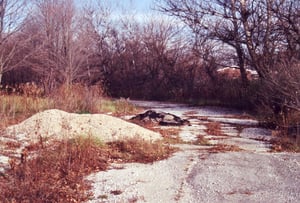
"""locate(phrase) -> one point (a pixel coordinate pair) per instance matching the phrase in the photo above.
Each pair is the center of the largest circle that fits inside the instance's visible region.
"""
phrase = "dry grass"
(136, 150)
(224, 148)
(170, 134)
(55, 173)
(284, 143)
(201, 140)
(214, 128)
(77, 99)
(14, 108)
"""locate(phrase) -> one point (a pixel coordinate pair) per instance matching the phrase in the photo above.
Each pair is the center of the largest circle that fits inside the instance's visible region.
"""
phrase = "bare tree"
(97, 32)
(213, 21)
(151, 60)
(264, 34)
(62, 57)
(12, 14)
(281, 59)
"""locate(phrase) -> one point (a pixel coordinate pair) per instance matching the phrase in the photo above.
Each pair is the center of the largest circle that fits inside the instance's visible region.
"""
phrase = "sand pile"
(55, 123)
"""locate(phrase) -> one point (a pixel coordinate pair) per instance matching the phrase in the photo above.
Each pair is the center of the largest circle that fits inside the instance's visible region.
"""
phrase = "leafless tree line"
(56, 42)
(261, 34)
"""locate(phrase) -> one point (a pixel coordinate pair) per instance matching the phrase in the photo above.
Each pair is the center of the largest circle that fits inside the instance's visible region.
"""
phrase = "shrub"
(77, 98)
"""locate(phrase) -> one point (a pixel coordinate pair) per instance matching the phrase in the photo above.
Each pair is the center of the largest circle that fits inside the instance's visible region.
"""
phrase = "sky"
(141, 9)
(138, 5)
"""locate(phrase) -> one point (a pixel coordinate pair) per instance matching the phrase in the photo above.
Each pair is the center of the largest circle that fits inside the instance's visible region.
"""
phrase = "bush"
(77, 98)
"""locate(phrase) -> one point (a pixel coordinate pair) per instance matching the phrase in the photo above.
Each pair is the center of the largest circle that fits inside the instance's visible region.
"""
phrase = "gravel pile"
(59, 124)
(56, 124)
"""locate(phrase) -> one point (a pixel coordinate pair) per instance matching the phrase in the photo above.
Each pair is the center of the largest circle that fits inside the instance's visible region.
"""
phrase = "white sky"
(139, 5)
(119, 8)
(141, 10)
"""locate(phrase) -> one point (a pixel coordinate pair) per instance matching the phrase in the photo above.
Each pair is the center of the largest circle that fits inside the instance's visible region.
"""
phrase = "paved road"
(195, 174)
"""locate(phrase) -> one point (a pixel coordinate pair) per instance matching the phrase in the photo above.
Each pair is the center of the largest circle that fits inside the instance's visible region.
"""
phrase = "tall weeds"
(76, 98)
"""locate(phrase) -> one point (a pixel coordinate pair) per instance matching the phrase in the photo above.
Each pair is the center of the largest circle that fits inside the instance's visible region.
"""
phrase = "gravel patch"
(247, 122)
(256, 133)
(247, 177)
(162, 181)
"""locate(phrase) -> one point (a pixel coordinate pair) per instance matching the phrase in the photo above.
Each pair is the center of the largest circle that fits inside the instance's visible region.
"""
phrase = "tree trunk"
(238, 46)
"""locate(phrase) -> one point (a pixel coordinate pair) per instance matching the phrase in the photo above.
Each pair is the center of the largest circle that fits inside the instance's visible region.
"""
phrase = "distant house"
(233, 72)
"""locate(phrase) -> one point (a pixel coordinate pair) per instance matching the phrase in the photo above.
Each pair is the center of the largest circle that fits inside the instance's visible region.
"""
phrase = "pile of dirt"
(56, 124)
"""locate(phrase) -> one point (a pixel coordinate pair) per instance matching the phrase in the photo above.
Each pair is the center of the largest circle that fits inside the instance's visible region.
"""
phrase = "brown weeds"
(55, 173)
(137, 150)
(284, 143)
(170, 134)
(224, 148)
(214, 128)
(75, 98)
(201, 140)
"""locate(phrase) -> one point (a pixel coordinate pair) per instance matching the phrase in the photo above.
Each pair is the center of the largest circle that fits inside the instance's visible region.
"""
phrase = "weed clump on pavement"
(137, 150)
(214, 128)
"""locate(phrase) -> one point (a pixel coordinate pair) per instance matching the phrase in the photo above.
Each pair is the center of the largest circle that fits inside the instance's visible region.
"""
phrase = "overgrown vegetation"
(155, 59)
(74, 56)
(55, 173)
(285, 143)
(75, 98)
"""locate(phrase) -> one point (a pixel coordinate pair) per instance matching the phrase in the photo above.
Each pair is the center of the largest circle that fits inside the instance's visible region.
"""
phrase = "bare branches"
(264, 34)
